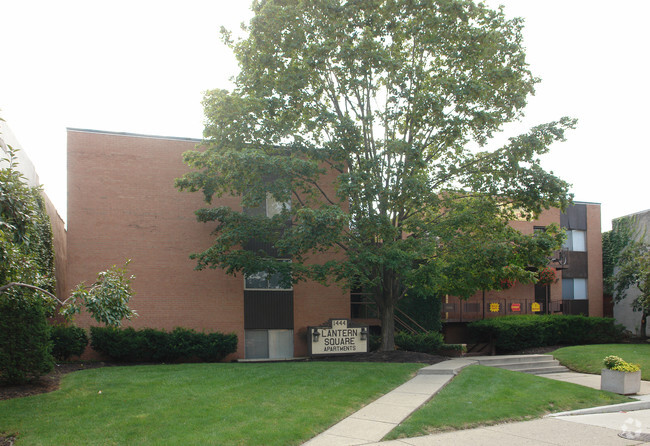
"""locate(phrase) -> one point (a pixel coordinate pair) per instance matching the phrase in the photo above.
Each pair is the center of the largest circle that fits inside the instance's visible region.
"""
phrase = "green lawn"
(589, 358)
(482, 395)
(188, 404)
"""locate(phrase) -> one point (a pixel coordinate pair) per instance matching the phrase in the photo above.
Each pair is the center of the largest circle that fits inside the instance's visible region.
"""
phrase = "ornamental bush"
(67, 341)
(513, 333)
(151, 345)
(25, 346)
(423, 342)
(618, 364)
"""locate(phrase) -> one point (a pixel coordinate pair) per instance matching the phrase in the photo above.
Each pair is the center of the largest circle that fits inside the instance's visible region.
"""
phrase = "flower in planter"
(617, 363)
(546, 276)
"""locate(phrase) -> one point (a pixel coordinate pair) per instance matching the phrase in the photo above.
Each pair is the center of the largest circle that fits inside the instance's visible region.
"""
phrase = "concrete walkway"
(594, 426)
(378, 418)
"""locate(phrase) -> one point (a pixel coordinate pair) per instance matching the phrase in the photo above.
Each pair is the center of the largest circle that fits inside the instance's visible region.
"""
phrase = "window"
(268, 207)
(264, 281)
(574, 289)
(575, 240)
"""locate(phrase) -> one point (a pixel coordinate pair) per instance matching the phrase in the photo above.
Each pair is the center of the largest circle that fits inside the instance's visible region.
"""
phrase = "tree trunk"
(387, 326)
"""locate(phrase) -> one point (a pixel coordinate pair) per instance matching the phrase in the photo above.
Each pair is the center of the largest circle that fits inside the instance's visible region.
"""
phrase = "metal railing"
(457, 310)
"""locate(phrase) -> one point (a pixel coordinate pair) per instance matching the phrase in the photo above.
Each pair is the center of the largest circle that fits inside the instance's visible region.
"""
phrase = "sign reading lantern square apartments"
(339, 337)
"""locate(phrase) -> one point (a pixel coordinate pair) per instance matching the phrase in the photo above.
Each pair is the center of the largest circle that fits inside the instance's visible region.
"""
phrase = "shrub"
(67, 341)
(424, 342)
(151, 345)
(513, 333)
(374, 342)
(25, 347)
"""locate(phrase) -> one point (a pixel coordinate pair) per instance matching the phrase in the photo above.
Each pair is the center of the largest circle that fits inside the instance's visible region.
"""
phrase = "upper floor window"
(264, 281)
(269, 207)
(575, 240)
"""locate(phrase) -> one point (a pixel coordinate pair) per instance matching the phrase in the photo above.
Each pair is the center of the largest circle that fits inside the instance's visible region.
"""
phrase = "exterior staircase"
(533, 364)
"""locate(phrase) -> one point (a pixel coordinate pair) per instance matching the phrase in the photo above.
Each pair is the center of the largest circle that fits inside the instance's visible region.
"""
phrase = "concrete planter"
(623, 383)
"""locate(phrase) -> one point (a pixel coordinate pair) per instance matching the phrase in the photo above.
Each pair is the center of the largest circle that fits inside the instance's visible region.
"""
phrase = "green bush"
(25, 347)
(67, 341)
(374, 342)
(513, 333)
(422, 342)
(150, 345)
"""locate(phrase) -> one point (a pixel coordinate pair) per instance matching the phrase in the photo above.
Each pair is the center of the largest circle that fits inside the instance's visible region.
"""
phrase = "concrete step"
(544, 370)
(512, 359)
(533, 364)
(525, 365)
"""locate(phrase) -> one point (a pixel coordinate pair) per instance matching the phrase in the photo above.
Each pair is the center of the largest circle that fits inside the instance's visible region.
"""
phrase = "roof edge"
(132, 135)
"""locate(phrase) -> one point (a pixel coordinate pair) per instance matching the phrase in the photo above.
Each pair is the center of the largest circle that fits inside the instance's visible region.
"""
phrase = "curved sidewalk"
(374, 421)
(594, 426)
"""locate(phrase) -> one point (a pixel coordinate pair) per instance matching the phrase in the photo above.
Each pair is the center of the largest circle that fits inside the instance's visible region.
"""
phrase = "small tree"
(106, 300)
(25, 256)
(27, 281)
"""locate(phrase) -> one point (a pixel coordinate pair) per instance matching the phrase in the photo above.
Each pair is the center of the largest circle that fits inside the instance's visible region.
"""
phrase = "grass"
(482, 395)
(226, 404)
(589, 358)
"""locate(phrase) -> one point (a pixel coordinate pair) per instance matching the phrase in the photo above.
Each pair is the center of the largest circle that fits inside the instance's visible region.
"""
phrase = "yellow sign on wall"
(535, 307)
(494, 308)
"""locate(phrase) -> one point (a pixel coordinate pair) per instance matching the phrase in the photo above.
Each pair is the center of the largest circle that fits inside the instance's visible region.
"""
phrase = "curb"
(622, 407)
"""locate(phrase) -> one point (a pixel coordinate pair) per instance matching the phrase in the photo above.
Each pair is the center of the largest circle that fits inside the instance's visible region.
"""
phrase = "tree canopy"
(366, 124)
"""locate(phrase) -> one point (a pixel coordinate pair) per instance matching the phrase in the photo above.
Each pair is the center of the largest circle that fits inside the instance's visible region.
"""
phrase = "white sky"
(141, 66)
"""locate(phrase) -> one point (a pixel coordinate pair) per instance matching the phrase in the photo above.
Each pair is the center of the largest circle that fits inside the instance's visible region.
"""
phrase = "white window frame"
(569, 243)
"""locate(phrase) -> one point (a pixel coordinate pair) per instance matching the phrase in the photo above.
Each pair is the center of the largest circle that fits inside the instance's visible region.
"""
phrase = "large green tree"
(397, 99)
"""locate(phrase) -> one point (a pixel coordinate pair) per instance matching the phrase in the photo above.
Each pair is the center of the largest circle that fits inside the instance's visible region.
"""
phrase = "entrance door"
(268, 324)
(269, 344)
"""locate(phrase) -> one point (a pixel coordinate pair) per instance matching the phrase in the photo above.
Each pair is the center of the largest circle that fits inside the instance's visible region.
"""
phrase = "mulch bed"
(394, 356)
(46, 383)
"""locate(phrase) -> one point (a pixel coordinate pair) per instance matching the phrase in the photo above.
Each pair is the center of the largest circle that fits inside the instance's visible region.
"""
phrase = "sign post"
(339, 337)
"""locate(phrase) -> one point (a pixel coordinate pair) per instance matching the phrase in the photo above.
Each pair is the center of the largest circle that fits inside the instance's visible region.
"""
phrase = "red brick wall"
(595, 261)
(122, 204)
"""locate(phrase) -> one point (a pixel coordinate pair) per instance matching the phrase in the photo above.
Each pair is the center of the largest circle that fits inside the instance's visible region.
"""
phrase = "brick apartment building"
(122, 204)
(579, 273)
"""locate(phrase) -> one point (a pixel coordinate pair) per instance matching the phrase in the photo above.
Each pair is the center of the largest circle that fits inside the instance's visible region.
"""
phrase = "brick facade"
(122, 204)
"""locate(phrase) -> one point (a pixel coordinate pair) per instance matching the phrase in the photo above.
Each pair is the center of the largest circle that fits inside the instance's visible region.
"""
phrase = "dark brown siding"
(268, 309)
(575, 217)
(577, 266)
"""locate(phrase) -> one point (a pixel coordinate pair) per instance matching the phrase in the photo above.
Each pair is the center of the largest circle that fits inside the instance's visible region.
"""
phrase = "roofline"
(631, 215)
(132, 135)
(586, 202)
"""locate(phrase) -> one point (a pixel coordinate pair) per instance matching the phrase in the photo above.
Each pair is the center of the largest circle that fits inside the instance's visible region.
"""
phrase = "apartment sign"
(338, 337)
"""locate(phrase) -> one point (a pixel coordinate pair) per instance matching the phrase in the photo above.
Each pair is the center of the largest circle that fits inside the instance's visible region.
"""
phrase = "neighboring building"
(579, 273)
(26, 167)
(623, 309)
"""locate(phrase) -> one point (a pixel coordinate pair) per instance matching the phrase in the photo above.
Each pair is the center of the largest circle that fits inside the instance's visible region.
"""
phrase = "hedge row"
(430, 342)
(423, 342)
(150, 345)
(67, 341)
(513, 333)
